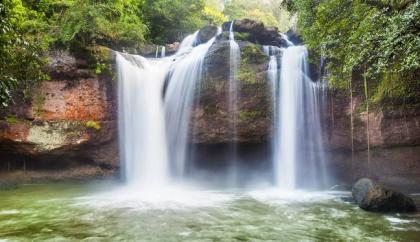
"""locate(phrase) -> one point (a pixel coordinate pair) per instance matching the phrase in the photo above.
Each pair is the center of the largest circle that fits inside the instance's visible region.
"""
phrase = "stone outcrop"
(372, 196)
(149, 50)
(256, 32)
(206, 33)
(212, 118)
(70, 120)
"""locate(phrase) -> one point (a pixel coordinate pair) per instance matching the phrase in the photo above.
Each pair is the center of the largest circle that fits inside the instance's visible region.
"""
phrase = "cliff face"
(394, 140)
(69, 122)
(213, 118)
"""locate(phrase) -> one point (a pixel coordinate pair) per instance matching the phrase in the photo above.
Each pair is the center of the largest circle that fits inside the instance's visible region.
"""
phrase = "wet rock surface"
(372, 196)
(206, 33)
(212, 118)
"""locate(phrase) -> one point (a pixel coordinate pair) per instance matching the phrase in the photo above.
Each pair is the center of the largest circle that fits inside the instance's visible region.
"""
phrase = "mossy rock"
(248, 115)
(252, 54)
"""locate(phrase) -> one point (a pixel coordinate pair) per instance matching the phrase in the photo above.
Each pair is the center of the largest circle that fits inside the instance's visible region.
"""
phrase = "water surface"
(105, 212)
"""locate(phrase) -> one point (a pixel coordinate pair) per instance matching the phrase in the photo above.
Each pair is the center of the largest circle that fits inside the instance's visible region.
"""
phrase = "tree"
(383, 35)
(270, 12)
(20, 50)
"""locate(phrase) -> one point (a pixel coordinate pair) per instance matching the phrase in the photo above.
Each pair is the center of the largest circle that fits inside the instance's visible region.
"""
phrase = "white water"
(163, 53)
(156, 98)
(289, 43)
(233, 99)
(185, 77)
(142, 121)
(291, 80)
(296, 121)
(151, 126)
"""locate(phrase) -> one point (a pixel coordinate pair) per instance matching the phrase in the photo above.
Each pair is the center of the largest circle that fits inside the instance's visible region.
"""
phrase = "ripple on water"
(9, 212)
(53, 213)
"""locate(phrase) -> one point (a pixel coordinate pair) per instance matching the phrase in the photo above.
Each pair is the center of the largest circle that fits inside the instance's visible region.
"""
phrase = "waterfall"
(298, 157)
(185, 76)
(288, 42)
(163, 52)
(157, 97)
(233, 99)
(142, 121)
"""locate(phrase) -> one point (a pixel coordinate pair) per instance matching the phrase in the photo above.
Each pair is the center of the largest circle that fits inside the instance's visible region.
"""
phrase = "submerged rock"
(372, 196)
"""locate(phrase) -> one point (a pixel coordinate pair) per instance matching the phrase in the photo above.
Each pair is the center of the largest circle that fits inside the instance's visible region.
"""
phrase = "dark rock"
(371, 196)
(149, 50)
(294, 37)
(211, 115)
(206, 33)
(258, 33)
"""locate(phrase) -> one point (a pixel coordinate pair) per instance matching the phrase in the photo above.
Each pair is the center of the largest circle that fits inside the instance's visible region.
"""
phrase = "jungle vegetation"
(377, 40)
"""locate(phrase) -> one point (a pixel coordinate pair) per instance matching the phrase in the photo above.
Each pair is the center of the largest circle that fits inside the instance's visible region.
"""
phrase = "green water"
(105, 213)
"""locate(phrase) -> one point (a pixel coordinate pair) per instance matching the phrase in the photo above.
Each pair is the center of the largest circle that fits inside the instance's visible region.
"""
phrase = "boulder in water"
(371, 196)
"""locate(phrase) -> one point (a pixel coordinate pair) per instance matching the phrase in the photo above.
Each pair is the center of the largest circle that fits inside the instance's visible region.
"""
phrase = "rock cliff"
(70, 121)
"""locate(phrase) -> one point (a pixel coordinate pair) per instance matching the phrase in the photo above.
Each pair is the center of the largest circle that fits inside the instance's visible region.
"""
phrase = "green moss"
(251, 57)
(93, 125)
(246, 115)
(247, 75)
(252, 54)
(242, 36)
(10, 119)
(38, 102)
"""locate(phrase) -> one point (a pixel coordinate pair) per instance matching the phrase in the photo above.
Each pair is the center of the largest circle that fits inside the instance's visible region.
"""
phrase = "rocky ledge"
(68, 124)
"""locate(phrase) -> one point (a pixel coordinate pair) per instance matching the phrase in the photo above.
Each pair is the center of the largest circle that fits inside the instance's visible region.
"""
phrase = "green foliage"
(29, 28)
(213, 16)
(113, 23)
(382, 35)
(170, 20)
(21, 48)
(270, 12)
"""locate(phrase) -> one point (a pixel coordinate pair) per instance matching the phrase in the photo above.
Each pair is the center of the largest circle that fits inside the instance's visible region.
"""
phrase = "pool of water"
(107, 212)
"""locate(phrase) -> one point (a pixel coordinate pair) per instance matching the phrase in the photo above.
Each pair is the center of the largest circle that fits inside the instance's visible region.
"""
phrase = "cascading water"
(142, 121)
(163, 52)
(298, 157)
(156, 98)
(185, 76)
(233, 99)
(145, 135)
